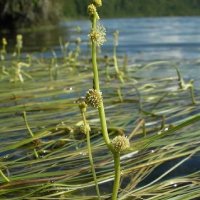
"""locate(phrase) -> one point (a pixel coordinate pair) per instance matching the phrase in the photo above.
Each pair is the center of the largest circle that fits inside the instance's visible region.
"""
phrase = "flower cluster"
(94, 98)
(85, 128)
(120, 143)
(98, 35)
(92, 10)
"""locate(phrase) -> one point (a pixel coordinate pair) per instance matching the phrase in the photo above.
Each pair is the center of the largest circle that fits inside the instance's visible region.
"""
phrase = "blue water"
(150, 38)
(175, 39)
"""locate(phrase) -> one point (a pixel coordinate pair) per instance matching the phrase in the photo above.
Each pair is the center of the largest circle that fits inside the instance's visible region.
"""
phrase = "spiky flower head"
(120, 143)
(85, 128)
(98, 35)
(94, 98)
(92, 11)
(98, 3)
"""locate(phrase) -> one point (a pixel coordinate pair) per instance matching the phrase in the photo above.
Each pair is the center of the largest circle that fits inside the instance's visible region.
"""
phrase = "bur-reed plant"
(94, 96)
(85, 129)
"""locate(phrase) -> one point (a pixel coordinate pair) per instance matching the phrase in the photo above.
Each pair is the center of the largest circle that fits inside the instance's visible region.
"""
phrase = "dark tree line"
(135, 8)
(22, 13)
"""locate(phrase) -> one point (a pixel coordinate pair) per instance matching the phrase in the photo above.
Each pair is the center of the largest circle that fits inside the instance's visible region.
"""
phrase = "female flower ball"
(94, 98)
(120, 143)
(85, 128)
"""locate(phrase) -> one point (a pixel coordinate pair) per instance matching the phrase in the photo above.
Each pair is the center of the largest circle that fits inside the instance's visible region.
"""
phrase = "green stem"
(30, 132)
(90, 155)
(4, 176)
(103, 117)
(116, 65)
(192, 94)
(97, 87)
(27, 126)
(120, 94)
(117, 175)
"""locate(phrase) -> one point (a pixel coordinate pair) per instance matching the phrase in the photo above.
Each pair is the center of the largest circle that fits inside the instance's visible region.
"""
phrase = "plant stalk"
(97, 87)
(4, 176)
(116, 157)
(30, 132)
(87, 132)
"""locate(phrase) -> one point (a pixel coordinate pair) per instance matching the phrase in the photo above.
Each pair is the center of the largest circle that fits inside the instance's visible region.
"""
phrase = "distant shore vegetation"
(27, 13)
(135, 8)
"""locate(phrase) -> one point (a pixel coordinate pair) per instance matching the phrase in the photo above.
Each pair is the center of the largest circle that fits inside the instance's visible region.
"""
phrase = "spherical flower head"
(85, 128)
(94, 98)
(120, 143)
(98, 3)
(98, 35)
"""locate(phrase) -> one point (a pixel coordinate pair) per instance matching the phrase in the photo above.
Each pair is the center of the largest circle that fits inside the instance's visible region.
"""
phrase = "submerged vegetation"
(59, 138)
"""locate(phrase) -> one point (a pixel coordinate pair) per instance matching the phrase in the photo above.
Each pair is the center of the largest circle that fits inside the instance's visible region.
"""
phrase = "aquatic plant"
(45, 143)
(94, 96)
(118, 72)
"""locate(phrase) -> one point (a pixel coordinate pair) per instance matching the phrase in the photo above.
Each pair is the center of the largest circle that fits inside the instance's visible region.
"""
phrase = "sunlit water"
(151, 38)
(143, 40)
(176, 39)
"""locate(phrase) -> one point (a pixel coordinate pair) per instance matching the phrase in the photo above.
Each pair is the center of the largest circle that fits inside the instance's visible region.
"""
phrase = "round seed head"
(94, 98)
(84, 128)
(120, 143)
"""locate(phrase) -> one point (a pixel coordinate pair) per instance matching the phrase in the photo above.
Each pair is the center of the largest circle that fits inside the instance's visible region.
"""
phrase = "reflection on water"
(38, 40)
